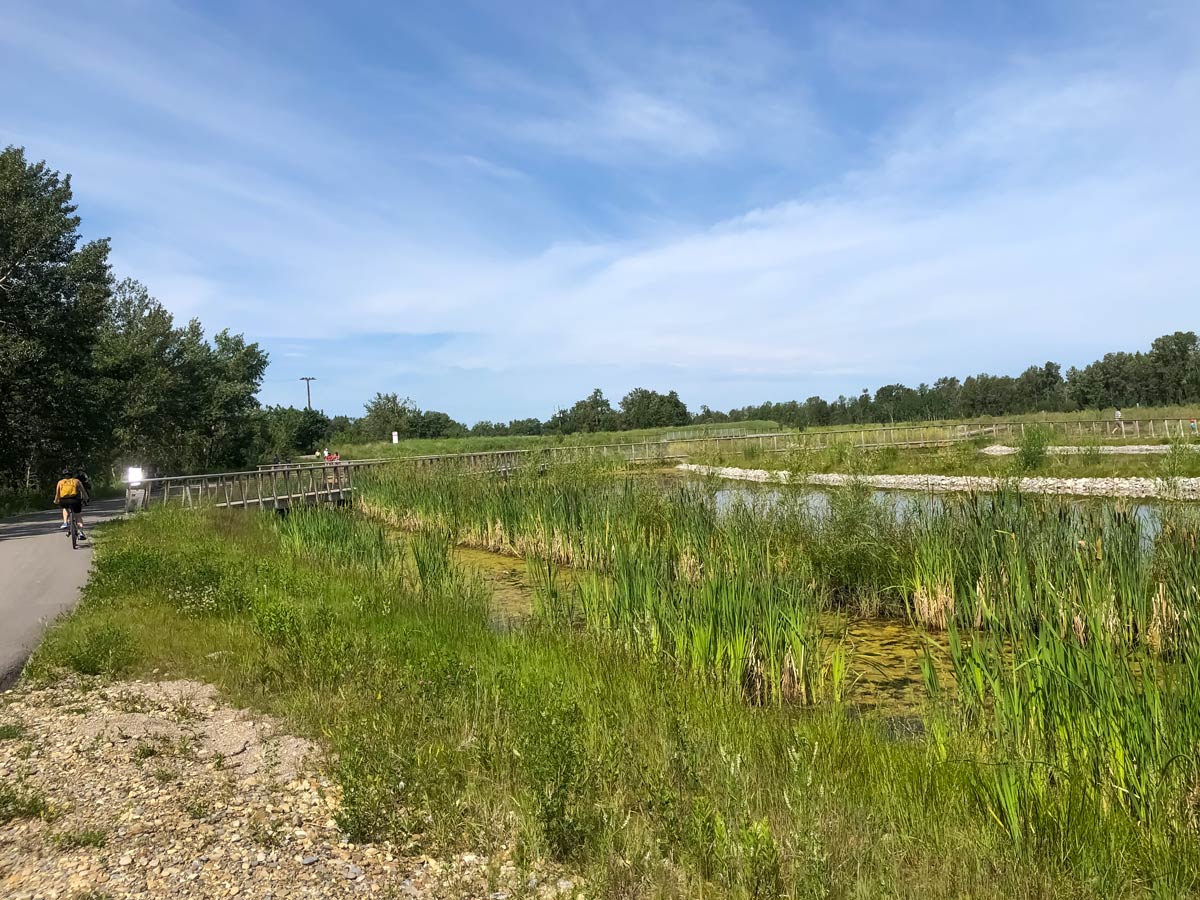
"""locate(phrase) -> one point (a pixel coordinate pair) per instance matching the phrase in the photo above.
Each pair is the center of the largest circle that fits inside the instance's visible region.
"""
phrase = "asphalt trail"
(40, 577)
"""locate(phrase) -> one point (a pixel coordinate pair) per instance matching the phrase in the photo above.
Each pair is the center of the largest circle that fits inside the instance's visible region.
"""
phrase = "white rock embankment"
(1115, 450)
(1136, 488)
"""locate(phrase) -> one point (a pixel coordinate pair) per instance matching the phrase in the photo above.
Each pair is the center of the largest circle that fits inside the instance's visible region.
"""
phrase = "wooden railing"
(273, 488)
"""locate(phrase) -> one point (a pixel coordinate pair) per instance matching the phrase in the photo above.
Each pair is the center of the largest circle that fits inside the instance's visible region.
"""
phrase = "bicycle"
(73, 529)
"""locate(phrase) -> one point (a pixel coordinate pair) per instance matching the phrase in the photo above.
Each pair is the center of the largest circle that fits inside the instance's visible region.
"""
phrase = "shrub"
(1031, 448)
(73, 840)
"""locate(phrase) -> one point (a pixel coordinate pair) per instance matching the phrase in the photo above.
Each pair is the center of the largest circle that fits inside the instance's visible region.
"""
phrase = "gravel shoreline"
(158, 790)
(1114, 450)
(1133, 488)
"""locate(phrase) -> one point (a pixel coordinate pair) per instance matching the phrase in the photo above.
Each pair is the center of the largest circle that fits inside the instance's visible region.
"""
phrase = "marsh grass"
(1032, 449)
(436, 446)
(614, 734)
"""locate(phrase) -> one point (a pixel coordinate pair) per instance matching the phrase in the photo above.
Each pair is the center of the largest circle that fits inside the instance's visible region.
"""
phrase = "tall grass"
(670, 548)
(964, 458)
(437, 446)
(1064, 618)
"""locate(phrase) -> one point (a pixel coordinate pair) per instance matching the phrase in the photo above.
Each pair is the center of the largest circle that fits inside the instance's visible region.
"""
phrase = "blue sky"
(494, 207)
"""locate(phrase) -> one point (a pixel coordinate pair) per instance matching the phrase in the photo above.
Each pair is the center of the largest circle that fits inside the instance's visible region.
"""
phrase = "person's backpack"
(68, 489)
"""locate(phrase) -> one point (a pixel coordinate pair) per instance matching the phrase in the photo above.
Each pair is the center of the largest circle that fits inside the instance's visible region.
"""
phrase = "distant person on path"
(1117, 420)
(71, 494)
(1193, 424)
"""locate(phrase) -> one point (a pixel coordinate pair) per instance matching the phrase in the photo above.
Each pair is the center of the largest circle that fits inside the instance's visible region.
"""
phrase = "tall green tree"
(591, 414)
(386, 413)
(54, 288)
(287, 431)
(138, 358)
(175, 401)
(1173, 368)
(644, 408)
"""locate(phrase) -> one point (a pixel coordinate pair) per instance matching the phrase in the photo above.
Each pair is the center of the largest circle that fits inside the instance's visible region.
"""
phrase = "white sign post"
(395, 437)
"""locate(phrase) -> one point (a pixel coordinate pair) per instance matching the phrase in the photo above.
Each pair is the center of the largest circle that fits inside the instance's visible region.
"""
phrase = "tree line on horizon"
(1168, 374)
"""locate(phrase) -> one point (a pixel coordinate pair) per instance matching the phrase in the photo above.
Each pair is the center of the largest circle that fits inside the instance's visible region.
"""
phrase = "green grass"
(13, 503)
(75, 840)
(10, 731)
(958, 459)
(1174, 413)
(589, 743)
(18, 801)
(437, 446)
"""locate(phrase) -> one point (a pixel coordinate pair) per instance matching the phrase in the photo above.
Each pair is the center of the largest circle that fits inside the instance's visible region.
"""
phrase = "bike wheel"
(74, 529)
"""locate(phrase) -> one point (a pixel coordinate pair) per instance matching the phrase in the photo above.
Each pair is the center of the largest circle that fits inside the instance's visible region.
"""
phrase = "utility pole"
(308, 388)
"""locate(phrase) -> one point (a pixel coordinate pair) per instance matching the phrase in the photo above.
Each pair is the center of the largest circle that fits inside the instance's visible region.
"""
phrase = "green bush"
(1032, 449)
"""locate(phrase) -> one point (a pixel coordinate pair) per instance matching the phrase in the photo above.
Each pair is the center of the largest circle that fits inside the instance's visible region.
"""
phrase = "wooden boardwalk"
(278, 487)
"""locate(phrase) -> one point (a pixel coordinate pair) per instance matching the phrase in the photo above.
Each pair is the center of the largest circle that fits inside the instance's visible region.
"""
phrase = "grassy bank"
(14, 503)
(1174, 413)
(1033, 457)
(436, 446)
(851, 551)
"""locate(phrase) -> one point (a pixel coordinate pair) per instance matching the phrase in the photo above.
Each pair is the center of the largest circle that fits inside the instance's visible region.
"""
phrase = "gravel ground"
(158, 790)
(1182, 488)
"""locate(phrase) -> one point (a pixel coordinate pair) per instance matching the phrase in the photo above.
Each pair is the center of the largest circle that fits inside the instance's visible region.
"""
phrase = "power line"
(308, 380)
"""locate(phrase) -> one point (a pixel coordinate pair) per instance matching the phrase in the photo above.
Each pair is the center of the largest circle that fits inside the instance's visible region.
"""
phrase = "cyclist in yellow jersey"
(71, 494)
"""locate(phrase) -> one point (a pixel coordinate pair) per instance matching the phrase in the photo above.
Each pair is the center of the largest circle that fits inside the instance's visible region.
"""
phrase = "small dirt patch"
(157, 789)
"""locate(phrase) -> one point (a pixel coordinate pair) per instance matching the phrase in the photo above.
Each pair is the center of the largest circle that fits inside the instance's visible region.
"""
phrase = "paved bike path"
(40, 577)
